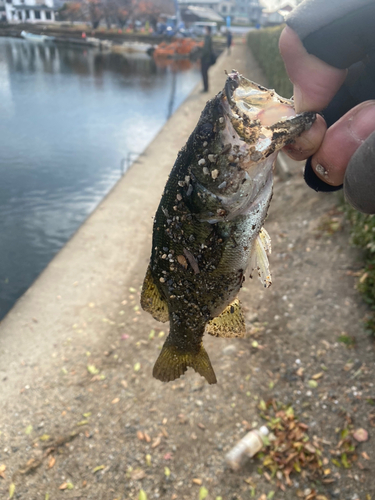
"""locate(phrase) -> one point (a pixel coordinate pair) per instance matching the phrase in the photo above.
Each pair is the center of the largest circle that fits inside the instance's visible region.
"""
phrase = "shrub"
(264, 44)
(363, 236)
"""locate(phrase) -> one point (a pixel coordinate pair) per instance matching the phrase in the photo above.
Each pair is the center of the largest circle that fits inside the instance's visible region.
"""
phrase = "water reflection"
(68, 117)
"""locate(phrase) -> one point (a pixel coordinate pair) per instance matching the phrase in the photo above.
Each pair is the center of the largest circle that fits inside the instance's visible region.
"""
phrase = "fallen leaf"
(12, 489)
(197, 481)
(310, 448)
(92, 369)
(29, 429)
(317, 375)
(140, 435)
(51, 462)
(142, 495)
(2, 470)
(31, 465)
(360, 435)
(137, 367)
(156, 442)
(262, 405)
(203, 492)
(45, 437)
(83, 422)
(167, 472)
(137, 474)
(313, 384)
(98, 468)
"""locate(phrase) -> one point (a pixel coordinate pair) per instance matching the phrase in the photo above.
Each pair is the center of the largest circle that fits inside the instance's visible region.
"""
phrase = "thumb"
(315, 82)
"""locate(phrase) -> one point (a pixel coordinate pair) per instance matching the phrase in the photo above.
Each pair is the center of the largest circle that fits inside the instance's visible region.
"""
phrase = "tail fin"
(172, 363)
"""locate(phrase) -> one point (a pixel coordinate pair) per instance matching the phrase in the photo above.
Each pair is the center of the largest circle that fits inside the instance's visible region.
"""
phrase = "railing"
(127, 162)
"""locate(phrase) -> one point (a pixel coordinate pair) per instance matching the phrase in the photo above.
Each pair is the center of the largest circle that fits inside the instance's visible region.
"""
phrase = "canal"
(71, 120)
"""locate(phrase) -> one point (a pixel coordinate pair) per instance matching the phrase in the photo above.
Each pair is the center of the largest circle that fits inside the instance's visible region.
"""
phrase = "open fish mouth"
(264, 120)
(258, 104)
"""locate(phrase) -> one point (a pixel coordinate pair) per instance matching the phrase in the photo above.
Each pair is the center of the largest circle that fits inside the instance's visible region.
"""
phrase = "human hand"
(345, 152)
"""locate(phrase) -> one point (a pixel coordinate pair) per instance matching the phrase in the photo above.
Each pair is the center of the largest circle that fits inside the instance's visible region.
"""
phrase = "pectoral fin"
(151, 299)
(259, 260)
(230, 323)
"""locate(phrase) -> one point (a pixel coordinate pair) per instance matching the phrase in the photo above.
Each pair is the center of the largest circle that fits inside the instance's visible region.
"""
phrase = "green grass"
(264, 44)
(363, 235)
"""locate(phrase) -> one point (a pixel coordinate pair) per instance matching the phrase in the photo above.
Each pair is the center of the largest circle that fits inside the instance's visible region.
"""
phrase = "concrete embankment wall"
(86, 281)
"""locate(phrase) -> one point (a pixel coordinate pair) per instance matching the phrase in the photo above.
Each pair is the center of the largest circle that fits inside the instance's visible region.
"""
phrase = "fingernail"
(363, 122)
(298, 100)
(321, 171)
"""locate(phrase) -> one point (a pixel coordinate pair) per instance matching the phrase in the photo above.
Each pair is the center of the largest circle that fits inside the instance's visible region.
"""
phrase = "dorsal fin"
(230, 323)
(151, 299)
(259, 260)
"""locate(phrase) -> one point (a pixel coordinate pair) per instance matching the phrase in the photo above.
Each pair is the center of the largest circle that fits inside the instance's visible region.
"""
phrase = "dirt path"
(82, 417)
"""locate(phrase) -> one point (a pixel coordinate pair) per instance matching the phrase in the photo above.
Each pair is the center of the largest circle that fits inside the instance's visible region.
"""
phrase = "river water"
(70, 121)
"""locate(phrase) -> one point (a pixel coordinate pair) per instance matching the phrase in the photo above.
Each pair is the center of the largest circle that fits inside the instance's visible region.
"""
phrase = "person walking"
(229, 40)
(207, 57)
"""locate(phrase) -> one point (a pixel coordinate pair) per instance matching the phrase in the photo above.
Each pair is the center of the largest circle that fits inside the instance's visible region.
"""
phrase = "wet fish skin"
(205, 229)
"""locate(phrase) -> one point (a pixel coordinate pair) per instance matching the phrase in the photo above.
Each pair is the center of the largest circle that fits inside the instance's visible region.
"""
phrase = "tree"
(95, 12)
(150, 10)
(71, 11)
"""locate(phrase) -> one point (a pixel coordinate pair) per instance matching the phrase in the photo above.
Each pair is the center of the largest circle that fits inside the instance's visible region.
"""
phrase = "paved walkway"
(82, 417)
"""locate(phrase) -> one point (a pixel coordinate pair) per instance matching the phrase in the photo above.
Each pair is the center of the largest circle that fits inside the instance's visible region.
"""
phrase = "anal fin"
(151, 299)
(259, 260)
(172, 363)
(229, 324)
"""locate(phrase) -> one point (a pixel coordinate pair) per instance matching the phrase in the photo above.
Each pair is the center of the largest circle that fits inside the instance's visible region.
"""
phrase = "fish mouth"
(251, 101)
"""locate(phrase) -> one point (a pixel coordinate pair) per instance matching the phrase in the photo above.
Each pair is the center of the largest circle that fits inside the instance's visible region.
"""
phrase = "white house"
(240, 11)
(29, 11)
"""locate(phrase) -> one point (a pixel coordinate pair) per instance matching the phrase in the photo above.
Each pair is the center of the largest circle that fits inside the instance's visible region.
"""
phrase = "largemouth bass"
(208, 229)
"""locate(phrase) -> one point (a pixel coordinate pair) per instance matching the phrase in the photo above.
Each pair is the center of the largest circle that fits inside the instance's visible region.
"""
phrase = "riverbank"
(81, 415)
(102, 38)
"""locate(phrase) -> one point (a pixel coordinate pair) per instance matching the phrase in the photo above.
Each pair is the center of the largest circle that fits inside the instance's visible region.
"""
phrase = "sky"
(273, 4)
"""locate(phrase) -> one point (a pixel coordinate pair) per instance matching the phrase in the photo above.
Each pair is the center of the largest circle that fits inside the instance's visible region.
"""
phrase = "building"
(239, 11)
(29, 11)
(209, 4)
(193, 14)
(273, 17)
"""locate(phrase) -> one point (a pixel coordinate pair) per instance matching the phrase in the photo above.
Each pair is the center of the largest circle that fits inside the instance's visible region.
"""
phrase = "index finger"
(315, 82)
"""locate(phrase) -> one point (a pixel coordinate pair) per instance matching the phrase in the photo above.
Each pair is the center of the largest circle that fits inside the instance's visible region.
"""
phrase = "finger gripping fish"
(208, 229)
